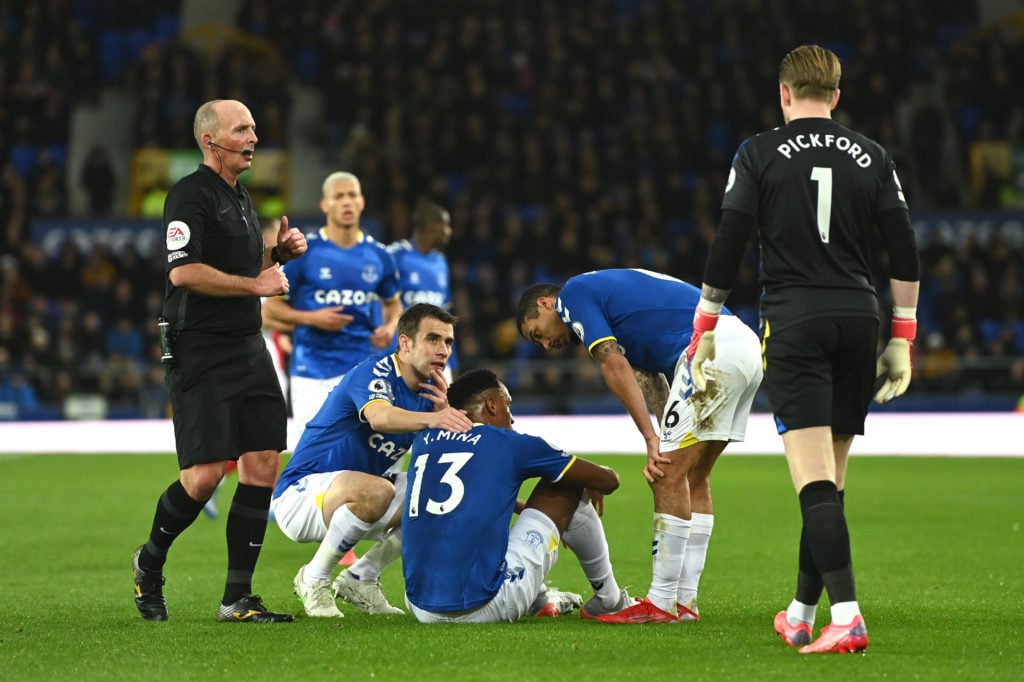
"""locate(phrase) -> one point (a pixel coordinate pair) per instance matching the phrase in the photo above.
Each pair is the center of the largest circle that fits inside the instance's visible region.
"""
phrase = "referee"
(226, 400)
(817, 192)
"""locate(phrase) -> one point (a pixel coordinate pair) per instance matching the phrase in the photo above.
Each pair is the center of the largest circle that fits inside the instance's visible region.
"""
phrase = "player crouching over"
(462, 562)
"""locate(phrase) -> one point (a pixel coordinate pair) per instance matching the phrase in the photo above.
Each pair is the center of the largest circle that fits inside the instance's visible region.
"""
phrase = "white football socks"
(695, 556)
(585, 537)
(344, 531)
(669, 546)
(377, 558)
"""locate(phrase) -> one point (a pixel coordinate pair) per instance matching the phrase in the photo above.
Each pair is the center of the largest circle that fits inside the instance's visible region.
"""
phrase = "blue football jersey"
(328, 275)
(650, 315)
(459, 501)
(339, 439)
(423, 278)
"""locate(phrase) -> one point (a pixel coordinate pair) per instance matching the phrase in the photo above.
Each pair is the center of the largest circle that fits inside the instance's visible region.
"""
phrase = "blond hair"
(339, 176)
(811, 72)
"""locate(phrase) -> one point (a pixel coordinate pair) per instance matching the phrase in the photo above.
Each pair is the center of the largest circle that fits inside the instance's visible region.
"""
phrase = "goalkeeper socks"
(808, 582)
(694, 557)
(377, 558)
(668, 548)
(585, 537)
(828, 539)
(246, 528)
(344, 531)
(175, 511)
(840, 585)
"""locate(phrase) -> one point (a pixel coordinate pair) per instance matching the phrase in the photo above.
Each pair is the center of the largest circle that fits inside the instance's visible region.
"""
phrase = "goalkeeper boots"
(840, 639)
(792, 635)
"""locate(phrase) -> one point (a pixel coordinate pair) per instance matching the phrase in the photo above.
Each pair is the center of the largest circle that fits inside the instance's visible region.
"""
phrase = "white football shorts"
(721, 411)
(531, 554)
(299, 510)
(308, 396)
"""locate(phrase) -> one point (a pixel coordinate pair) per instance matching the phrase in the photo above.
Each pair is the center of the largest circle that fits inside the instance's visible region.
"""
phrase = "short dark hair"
(528, 309)
(465, 390)
(426, 214)
(409, 322)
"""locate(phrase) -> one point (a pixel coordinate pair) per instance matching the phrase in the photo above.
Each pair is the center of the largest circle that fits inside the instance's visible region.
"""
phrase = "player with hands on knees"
(636, 324)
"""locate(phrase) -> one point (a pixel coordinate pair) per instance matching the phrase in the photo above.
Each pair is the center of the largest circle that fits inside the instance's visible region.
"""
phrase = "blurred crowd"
(564, 136)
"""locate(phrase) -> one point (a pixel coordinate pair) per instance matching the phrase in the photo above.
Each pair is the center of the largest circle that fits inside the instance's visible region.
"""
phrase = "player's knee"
(373, 501)
(259, 468)
(200, 481)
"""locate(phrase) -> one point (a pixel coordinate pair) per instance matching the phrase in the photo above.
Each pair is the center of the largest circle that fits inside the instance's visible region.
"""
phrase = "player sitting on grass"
(462, 563)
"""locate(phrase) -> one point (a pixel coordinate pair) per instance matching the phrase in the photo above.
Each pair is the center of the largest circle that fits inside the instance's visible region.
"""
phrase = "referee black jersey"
(208, 221)
(816, 189)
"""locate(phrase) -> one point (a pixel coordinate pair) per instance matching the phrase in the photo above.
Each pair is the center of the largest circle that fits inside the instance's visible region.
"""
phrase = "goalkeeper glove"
(702, 341)
(895, 363)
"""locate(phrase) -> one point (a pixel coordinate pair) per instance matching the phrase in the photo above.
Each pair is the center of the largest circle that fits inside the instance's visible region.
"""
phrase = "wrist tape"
(904, 323)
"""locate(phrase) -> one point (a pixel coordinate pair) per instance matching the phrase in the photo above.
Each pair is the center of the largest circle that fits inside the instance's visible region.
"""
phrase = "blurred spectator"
(17, 396)
(599, 128)
(126, 341)
(97, 177)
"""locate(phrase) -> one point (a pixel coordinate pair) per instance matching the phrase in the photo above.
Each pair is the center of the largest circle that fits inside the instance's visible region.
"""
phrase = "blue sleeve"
(293, 271)
(389, 286)
(581, 309)
(535, 457)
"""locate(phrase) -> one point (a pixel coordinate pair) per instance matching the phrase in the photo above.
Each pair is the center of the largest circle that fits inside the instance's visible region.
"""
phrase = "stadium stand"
(564, 137)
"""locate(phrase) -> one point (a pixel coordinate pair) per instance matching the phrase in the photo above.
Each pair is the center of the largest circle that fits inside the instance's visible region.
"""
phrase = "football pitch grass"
(937, 542)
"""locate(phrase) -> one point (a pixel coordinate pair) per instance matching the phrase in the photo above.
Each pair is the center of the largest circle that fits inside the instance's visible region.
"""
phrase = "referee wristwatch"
(275, 255)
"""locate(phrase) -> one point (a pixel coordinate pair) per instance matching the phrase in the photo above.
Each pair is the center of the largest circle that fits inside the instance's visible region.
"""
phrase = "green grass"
(937, 544)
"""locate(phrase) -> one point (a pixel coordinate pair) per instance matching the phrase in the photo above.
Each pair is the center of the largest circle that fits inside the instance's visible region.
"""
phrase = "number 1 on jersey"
(823, 176)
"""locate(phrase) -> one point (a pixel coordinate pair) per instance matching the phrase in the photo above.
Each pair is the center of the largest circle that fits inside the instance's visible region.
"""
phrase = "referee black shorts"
(225, 398)
(821, 372)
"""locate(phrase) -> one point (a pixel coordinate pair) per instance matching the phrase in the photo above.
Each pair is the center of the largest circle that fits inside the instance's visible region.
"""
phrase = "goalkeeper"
(816, 190)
